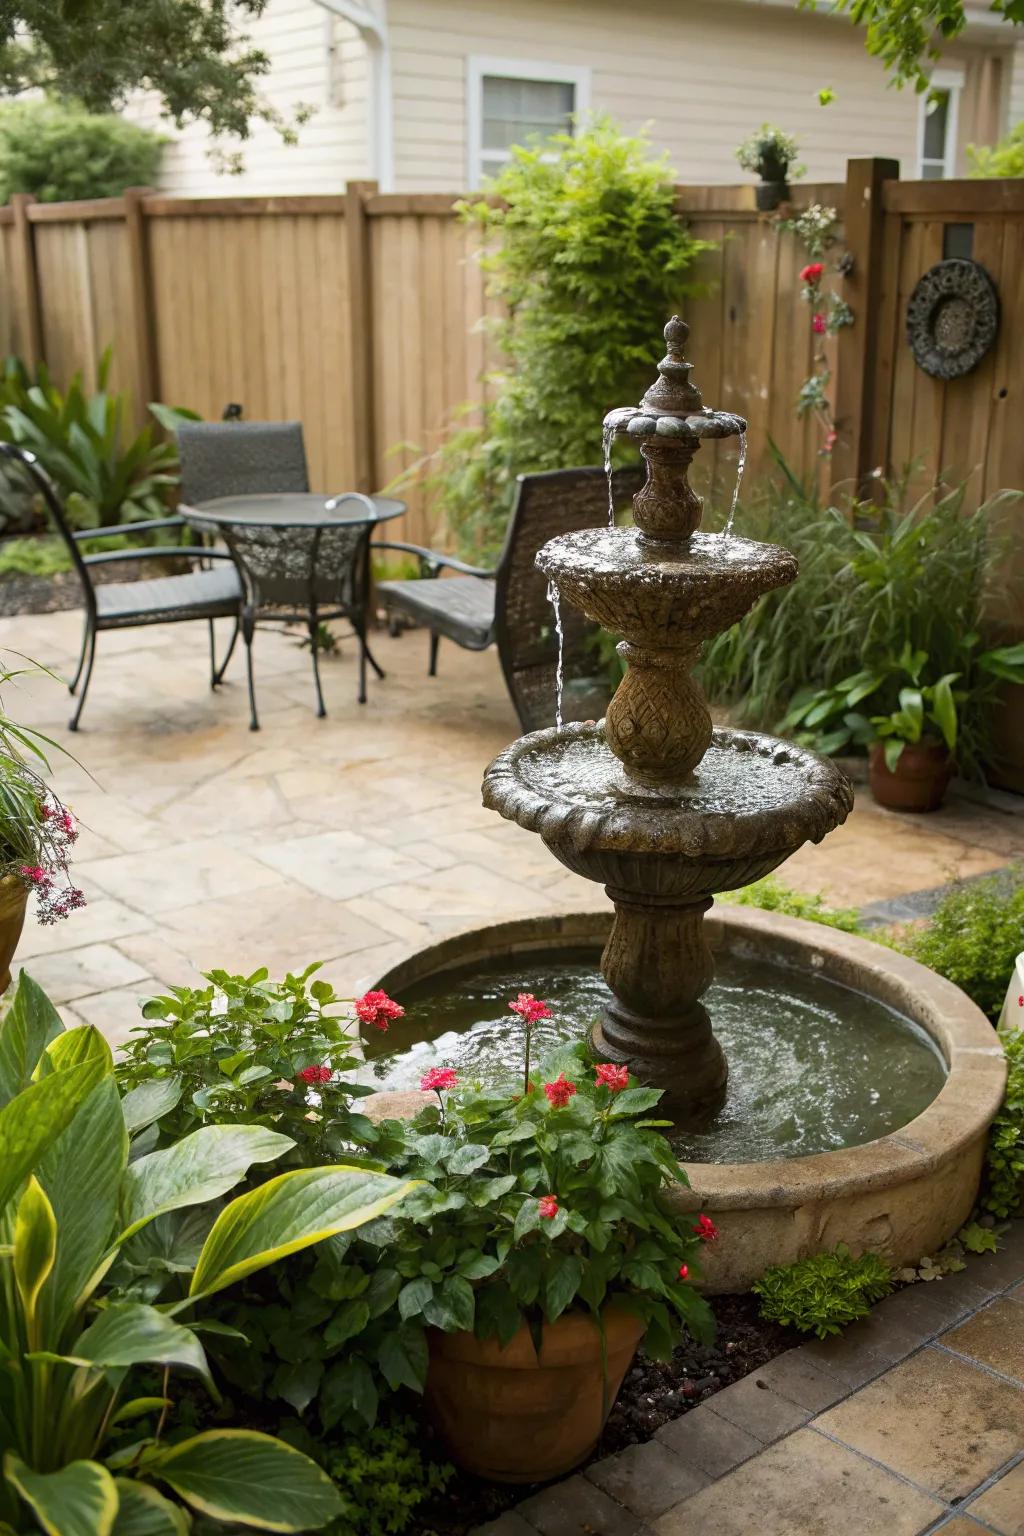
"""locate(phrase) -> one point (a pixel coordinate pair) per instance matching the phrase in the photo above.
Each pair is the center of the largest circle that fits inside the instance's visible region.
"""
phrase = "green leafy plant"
(585, 252)
(1003, 159)
(48, 556)
(772, 896)
(974, 936)
(88, 1213)
(245, 1048)
(83, 443)
(770, 153)
(382, 1475)
(825, 1293)
(1004, 1171)
(59, 152)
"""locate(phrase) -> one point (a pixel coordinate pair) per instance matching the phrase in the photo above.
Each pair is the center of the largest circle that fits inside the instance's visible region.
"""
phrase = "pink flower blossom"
(378, 1009)
(611, 1077)
(559, 1092)
(706, 1229)
(314, 1075)
(437, 1079)
(530, 1008)
(36, 875)
(547, 1207)
(818, 322)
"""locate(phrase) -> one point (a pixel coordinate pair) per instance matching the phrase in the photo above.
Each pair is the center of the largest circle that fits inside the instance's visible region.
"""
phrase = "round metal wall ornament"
(952, 318)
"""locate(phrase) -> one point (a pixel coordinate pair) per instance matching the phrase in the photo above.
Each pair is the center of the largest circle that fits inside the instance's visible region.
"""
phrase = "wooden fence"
(363, 316)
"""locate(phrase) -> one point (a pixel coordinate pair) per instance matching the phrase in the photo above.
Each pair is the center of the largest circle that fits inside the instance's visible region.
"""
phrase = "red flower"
(818, 322)
(438, 1078)
(831, 437)
(684, 1273)
(706, 1229)
(611, 1077)
(559, 1092)
(378, 1009)
(812, 272)
(547, 1207)
(314, 1075)
(35, 874)
(530, 1008)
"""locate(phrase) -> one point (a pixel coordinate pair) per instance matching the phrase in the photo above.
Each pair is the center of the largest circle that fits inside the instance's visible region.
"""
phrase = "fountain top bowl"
(673, 406)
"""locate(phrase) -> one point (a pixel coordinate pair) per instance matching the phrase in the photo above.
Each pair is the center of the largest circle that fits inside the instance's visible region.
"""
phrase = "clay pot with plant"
(539, 1254)
(912, 737)
(37, 833)
(770, 153)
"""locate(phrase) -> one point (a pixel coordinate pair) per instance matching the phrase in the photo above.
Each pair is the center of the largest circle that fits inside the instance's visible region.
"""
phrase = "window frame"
(951, 80)
(479, 65)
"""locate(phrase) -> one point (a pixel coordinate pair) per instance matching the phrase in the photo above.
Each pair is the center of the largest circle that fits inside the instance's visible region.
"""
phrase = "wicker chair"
(213, 593)
(509, 605)
(289, 574)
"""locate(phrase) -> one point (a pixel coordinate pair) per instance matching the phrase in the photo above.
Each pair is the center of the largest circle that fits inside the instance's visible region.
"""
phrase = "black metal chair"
(199, 594)
(289, 573)
(509, 606)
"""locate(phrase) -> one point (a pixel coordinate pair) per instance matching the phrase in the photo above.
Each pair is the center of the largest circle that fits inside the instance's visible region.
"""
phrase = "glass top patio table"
(293, 509)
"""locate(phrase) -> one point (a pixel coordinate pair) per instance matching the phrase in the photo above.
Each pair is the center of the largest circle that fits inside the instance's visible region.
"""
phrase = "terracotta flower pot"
(919, 781)
(514, 1416)
(13, 900)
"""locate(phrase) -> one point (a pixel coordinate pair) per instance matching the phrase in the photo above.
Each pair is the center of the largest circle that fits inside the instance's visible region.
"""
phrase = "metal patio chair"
(508, 606)
(289, 573)
(209, 594)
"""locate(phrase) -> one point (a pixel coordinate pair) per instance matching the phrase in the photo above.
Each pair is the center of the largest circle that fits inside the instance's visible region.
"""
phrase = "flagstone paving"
(349, 840)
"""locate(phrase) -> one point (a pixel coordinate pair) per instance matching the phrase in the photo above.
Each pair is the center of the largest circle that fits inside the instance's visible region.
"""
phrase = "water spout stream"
(741, 464)
(553, 599)
(607, 438)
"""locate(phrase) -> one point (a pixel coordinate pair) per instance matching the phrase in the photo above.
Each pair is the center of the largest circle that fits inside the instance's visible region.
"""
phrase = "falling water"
(553, 599)
(741, 464)
(607, 438)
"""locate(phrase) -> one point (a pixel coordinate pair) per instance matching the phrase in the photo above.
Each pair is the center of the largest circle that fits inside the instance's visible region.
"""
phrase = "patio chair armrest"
(432, 560)
(118, 528)
(156, 552)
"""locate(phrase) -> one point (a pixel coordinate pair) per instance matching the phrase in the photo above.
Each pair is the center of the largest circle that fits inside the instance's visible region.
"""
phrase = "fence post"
(147, 381)
(25, 258)
(857, 344)
(360, 332)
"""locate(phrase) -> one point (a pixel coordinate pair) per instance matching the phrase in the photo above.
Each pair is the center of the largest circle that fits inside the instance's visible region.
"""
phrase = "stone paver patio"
(351, 839)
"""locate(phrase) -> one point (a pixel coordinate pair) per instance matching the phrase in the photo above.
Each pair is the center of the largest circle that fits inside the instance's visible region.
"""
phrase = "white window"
(510, 101)
(940, 106)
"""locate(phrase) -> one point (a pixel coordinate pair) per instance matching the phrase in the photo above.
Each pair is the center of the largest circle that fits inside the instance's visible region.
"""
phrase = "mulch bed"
(653, 1393)
(56, 594)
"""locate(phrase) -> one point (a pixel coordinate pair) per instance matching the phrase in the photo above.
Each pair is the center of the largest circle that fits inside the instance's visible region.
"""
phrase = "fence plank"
(27, 278)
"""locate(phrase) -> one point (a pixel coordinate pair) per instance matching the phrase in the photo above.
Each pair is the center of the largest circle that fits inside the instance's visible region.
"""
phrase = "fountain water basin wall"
(902, 1195)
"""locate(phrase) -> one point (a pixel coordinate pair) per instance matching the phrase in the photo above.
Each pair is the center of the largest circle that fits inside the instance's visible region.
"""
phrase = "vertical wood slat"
(147, 361)
(361, 340)
(28, 279)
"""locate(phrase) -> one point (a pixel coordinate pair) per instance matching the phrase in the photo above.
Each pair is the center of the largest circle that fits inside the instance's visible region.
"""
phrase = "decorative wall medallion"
(952, 318)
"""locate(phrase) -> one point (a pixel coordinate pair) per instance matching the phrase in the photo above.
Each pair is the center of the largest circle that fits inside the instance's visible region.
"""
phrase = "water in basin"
(813, 1065)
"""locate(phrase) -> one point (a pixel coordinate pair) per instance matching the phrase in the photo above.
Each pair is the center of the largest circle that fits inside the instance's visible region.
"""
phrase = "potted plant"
(769, 153)
(913, 734)
(538, 1254)
(37, 833)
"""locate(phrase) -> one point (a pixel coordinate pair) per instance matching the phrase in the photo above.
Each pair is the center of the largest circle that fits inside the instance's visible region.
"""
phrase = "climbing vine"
(815, 228)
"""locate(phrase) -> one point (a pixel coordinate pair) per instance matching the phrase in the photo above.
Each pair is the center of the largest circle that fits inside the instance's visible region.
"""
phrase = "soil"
(653, 1393)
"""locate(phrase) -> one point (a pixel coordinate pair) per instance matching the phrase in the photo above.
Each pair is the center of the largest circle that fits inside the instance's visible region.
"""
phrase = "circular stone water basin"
(813, 1065)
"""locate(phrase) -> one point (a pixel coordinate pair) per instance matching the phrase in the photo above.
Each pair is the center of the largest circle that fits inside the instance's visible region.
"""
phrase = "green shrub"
(1004, 1172)
(823, 1294)
(772, 896)
(1003, 159)
(60, 152)
(383, 1478)
(588, 258)
(974, 936)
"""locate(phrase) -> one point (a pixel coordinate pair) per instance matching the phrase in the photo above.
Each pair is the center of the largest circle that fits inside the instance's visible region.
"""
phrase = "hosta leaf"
(198, 1168)
(33, 1120)
(245, 1478)
(73, 1046)
(289, 1213)
(35, 1246)
(28, 1027)
(79, 1500)
(131, 1333)
(142, 1511)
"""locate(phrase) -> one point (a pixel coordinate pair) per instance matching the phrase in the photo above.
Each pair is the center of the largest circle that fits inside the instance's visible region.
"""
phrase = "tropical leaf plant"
(75, 1207)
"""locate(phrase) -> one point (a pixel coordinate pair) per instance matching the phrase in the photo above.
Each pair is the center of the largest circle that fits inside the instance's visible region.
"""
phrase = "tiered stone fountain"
(653, 802)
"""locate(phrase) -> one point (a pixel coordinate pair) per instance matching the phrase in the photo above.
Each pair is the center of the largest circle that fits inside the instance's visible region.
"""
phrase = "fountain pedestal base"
(658, 964)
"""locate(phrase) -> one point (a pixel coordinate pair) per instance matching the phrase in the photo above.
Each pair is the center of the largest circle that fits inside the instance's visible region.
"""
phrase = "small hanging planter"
(769, 153)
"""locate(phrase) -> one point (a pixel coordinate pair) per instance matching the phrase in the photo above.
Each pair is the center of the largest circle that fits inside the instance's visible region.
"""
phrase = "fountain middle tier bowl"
(663, 593)
(750, 802)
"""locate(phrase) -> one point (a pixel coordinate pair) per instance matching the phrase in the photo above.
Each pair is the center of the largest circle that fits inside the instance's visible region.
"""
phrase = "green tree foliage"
(1003, 159)
(60, 152)
(195, 54)
(589, 259)
(908, 35)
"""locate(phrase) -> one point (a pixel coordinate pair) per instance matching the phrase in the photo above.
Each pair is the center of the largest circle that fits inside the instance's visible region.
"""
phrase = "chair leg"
(248, 630)
(89, 653)
(218, 676)
(213, 655)
(371, 658)
(435, 641)
(81, 656)
(314, 649)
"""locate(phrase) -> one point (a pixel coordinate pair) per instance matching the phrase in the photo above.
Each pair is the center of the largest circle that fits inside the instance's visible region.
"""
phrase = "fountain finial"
(672, 393)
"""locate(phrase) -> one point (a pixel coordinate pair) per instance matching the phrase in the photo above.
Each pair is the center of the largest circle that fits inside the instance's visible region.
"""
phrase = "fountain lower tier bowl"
(933, 1080)
(660, 593)
(749, 804)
